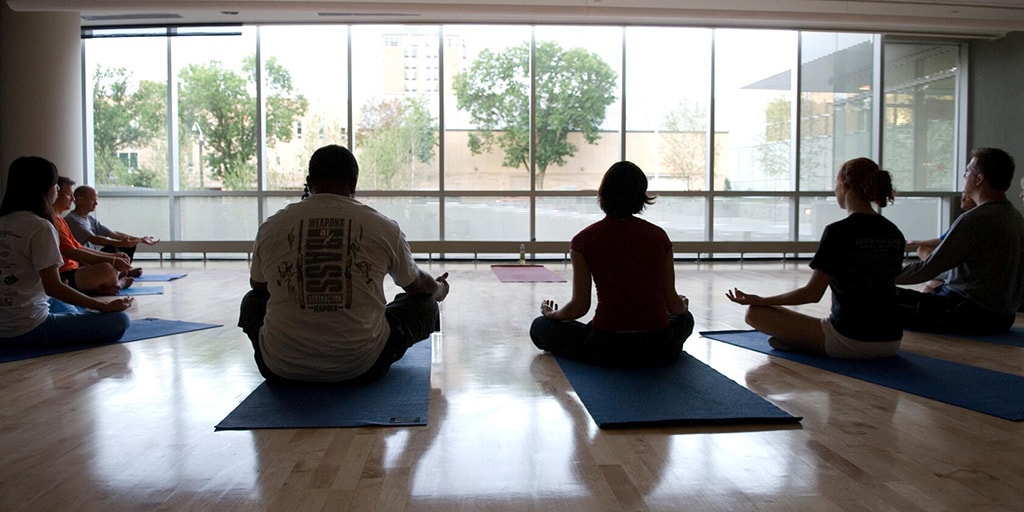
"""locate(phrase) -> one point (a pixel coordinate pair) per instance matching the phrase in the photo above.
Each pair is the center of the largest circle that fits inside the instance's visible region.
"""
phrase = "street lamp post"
(202, 166)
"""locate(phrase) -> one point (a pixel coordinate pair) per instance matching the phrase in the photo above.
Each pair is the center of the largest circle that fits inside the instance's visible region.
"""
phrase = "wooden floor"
(130, 427)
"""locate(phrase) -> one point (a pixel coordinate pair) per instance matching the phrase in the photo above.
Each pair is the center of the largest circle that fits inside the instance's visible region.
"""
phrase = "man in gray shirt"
(984, 252)
(91, 233)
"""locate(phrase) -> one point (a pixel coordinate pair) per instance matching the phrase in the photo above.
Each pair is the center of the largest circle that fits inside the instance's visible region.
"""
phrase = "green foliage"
(773, 152)
(125, 119)
(216, 101)
(573, 90)
(394, 136)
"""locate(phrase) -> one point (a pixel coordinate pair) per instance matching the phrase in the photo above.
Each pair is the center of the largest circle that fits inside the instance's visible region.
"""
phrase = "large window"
(836, 78)
(304, 96)
(502, 133)
(919, 116)
(127, 83)
(668, 83)
(753, 108)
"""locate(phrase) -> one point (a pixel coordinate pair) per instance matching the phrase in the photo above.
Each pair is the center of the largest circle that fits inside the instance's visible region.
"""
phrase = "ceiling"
(968, 18)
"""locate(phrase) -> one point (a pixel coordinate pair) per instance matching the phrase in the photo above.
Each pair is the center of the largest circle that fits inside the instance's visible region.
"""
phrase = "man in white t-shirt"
(317, 311)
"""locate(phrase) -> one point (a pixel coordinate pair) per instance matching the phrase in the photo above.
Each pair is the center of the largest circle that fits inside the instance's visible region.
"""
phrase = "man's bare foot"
(125, 282)
(135, 272)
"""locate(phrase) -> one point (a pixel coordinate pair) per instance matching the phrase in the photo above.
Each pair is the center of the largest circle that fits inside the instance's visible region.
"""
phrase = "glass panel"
(275, 203)
(417, 216)
(487, 218)
(306, 96)
(919, 218)
(395, 77)
(476, 138)
(560, 218)
(919, 130)
(217, 110)
(683, 218)
(218, 218)
(668, 105)
(836, 74)
(126, 97)
(139, 216)
(815, 214)
(753, 108)
(753, 218)
(578, 105)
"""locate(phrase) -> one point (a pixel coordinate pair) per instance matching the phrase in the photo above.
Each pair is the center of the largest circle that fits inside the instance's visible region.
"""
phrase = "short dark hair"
(333, 163)
(997, 166)
(64, 181)
(623, 190)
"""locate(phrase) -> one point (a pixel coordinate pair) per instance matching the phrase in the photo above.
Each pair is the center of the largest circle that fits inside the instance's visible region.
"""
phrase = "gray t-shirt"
(984, 252)
(84, 228)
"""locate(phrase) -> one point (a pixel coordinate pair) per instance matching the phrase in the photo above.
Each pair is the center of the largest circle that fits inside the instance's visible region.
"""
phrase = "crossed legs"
(788, 329)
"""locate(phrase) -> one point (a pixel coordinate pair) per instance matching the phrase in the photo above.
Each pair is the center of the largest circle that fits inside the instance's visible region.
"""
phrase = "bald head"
(86, 200)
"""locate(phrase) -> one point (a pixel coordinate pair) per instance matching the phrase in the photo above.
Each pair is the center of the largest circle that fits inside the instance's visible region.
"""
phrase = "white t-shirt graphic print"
(324, 260)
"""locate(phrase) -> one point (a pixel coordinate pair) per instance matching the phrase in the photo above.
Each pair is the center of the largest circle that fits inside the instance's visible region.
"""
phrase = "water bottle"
(522, 254)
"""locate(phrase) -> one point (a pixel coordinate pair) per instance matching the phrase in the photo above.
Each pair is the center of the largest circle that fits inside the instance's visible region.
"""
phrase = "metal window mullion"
(261, 130)
(532, 127)
(878, 99)
(440, 134)
(173, 145)
(709, 175)
(622, 108)
(794, 133)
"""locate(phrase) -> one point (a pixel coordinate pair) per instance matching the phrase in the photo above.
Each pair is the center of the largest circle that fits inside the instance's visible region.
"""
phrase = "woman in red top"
(640, 319)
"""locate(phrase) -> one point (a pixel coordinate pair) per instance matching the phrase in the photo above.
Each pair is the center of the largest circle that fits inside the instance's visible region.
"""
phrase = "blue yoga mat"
(400, 398)
(687, 392)
(146, 328)
(138, 330)
(1015, 337)
(142, 290)
(159, 277)
(986, 391)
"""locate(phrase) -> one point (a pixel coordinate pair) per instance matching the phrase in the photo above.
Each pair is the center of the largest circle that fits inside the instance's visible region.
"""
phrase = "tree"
(218, 104)
(393, 136)
(773, 152)
(125, 120)
(685, 135)
(573, 89)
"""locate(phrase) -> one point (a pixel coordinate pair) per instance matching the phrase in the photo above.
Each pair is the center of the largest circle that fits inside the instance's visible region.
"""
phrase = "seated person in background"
(640, 320)
(317, 310)
(89, 232)
(87, 270)
(984, 254)
(36, 308)
(925, 247)
(858, 258)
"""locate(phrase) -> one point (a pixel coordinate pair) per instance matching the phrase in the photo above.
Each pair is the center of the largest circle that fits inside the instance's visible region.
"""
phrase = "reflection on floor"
(130, 427)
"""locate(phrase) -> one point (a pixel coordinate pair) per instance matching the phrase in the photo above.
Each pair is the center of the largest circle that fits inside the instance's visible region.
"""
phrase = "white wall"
(41, 89)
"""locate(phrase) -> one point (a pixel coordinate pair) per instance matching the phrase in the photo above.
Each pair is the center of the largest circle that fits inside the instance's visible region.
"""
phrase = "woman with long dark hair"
(36, 308)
